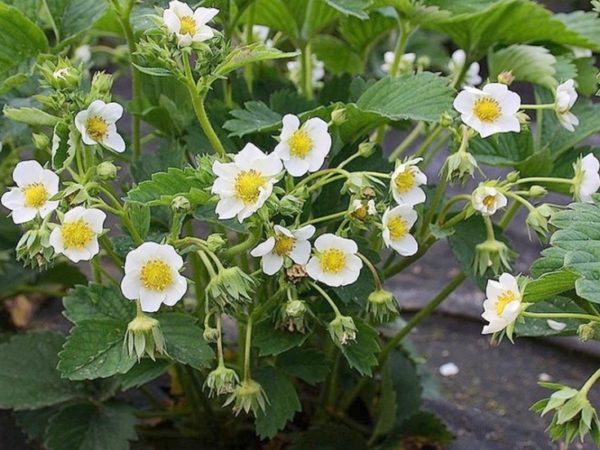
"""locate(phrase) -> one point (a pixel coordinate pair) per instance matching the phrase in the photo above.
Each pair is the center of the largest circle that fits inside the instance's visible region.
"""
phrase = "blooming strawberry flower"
(285, 243)
(35, 187)
(245, 184)
(97, 125)
(397, 223)
(565, 98)
(152, 276)
(335, 262)
(188, 25)
(303, 148)
(487, 200)
(405, 183)
(489, 111)
(587, 178)
(77, 236)
(457, 61)
(502, 305)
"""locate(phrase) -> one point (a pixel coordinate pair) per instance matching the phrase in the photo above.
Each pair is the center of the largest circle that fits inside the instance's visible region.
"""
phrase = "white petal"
(263, 248)
(204, 15)
(151, 300)
(301, 252)
(271, 263)
(203, 33)
(305, 232)
(95, 218)
(22, 215)
(176, 291)
(171, 21)
(291, 123)
(13, 199)
(27, 172)
(56, 240)
(407, 246)
(115, 142)
(112, 112)
(296, 167)
(228, 207)
(130, 287)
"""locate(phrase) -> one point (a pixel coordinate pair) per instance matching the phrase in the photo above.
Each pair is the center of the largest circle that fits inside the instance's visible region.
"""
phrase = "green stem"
(248, 349)
(433, 135)
(245, 245)
(544, 106)
(403, 34)
(307, 88)
(438, 196)
(198, 104)
(575, 316)
(373, 270)
(407, 142)
(509, 214)
(326, 297)
(544, 180)
(590, 382)
(325, 218)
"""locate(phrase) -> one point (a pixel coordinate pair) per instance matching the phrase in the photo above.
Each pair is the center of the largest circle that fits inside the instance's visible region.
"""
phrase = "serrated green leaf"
(30, 116)
(336, 55)
(505, 150)
(276, 15)
(88, 426)
(28, 375)
(310, 366)
(361, 353)
(329, 437)
(13, 82)
(424, 96)
(283, 402)
(407, 384)
(354, 8)
(95, 349)
(422, 426)
(163, 187)
(144, 372)
(256, 117)
(549, 286)
(62, 150)
(526, 62)
(35, 422)
(273, 341)
(153, 71)
(99, 302)
(74, 16)
(248, 54)
(587, 26)
(552, 259)
(363, 34)
(184, 340)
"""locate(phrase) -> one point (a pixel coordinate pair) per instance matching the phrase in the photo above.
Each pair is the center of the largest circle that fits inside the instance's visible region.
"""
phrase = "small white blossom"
(152, 276)
(397, 223)
(406, 61)
(406, 181)
(303, 148)
(361, 209)
(587, 178)
(565, 98)
(188, 25)
(35, 187)
(83, 53)
(489, 111)
(317, 72)
(245, 184)
(487, 200)
(457, 61)
(502, 305)
(77, 236)
(285, 243)
(97, 125)
(262, 33)
(335, 262)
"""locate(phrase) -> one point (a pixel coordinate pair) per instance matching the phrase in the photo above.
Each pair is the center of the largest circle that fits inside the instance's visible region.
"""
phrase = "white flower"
(35, 187)
(587, 178)
(97, 125)
(362, 210)
(77, 237)
(406, 61)
(189, 26)
(405, 183)
(397, 223)
(335, 262)
(456, 64)
(487, 200)
(317, 72)
(262, 33)
(245, 184)
(489, 111)
(285, 243)
(83, 53)
(303, 149)
(565, 98)
(152, 276)
(503, 303)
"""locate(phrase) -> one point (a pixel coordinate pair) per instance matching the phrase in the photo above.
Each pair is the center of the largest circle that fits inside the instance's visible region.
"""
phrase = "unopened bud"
(211, 334)
(106, 171)
(423, 62)
(382, 305)
(181, 205)
(342, 330)
(338, 116)
(513, 176)
(101, 84)
(446, 120)
(366, 149)
(506, 77)
(537, 191)
(215, 242)
(40, 141)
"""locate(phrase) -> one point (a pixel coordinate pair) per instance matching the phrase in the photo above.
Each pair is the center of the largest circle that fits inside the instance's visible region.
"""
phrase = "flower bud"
(221, 381)
(537, 191)
(366, 149)
(292, 316)
(61, 74)
(231, 287)
(459, 165)
(506, 77)
(382, 305)
(290, 205)
(588, 331)
(144, 337)
(492, 254)
(338, 116)
(446, 120)
(513, 176)
(537, 222)
(423, 62)
(524, 119)
(369, 192)
(40, 141)
(248, 396)
(215, 242)
(181, 205)
(342, 330)
(106, 171)
(101, 84)
(211, 334)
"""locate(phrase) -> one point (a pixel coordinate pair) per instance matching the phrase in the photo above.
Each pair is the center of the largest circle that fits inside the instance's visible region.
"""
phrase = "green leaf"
(30, 116)
(552, 260)
(420, 427)
(329, 437)
(309, 365)
(283, 402)
(87, 426)
(549, 286)
(34, 422)
(13, 82)
(275, 15)
(95, 349)
(184, 340)
(505, 150)
(28, 375)
(354, 8)
(529, 326)
(407, 384)
(361, 353)
(20, 39)
(153, 71)
(144, 372)
(424, 96)
(363, 34)
(63, 151)
(97, 302)
(336, 55)
(74, 16)
(587, 26)
(526, 62)
(387, 410)
(256, 117)
(165, 186)
(273, 341)
(248, 54)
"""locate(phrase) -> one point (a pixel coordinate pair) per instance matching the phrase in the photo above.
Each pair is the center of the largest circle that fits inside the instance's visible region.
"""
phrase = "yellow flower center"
(156, 275)
(300, 144)
(332, 260)
(405, 181)
(188, 25)
(77, 234)
(398, 228)
(504, 299)
(36, 195)
(489, 201)
(247, 185)
(284, 244)
(97, 128)
(487, 109)
(361, 213)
